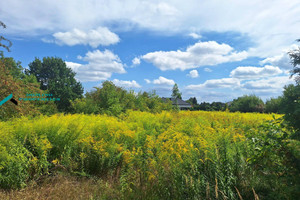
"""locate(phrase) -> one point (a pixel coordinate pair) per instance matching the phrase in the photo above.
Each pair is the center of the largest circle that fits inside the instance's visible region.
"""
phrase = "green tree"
(295, 60)
(247, 103)
(204, 106)
(175, 92)
(15, 69)
(193, 101)
(273, 105)
(108, 98)
(290, 105)
(55, 77)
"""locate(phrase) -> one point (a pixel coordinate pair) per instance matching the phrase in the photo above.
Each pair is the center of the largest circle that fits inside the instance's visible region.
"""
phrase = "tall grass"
(185, 155)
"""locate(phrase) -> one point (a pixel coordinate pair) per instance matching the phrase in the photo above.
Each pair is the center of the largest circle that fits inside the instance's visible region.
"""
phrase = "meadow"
(140, 155)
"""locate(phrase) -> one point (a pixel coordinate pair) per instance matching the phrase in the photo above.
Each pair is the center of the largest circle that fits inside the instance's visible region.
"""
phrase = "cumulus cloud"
(147, 80)
(268, 87)
(207, 69)
(94, 38)
(193, 74)
(195, 35)
(136, 61)
(126, 84)
(216, 83)
(272, 83)
(268, 26)
(283, 61)
(101, 65)
(197, 55)
(163, 81)
(249, 72)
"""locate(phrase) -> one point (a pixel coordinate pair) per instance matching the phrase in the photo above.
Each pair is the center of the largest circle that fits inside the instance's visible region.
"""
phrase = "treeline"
(51, 76)
(249, 103)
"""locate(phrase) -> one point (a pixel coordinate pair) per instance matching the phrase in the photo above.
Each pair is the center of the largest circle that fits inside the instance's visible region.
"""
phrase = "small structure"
(183, 105)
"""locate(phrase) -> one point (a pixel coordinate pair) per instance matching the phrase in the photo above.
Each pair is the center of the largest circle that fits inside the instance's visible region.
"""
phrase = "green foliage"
(184, 155)
(55, 77)
(214, 106)
(17, 87)
(15, 69)
(247, 103)
(290, 105)
(85, 105)
(295, 60)
(14, 81)
(275, 156)
(113, 100)
(175, 92)
(273, 105)
(192, 101)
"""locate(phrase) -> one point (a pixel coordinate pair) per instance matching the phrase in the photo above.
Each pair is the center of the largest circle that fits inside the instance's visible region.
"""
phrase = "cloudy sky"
(214, 50)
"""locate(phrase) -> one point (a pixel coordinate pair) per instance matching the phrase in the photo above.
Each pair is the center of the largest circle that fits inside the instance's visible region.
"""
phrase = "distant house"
(183, 105)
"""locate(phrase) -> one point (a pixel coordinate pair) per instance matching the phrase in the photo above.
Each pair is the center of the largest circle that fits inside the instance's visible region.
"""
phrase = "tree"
(4, 39)
(290, 105)
(247, 103)
(193, 101)
(54, 76)
(15, 69)
(295, 60)
(273, 105)
(175, 92)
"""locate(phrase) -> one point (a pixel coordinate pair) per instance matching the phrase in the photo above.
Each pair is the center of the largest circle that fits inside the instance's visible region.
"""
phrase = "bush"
(273, 105)
(247, 103)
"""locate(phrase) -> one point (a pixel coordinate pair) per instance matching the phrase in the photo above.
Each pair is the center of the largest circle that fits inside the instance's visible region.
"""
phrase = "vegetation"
(295, 60)
(175, 92)
(125, 145)
(55, 77)
(273, 105)
(247, 103)
(113, 100)
(290, 105)
(185, 155)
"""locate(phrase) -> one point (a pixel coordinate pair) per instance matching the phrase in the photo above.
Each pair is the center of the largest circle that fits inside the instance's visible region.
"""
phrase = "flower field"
(170, 155)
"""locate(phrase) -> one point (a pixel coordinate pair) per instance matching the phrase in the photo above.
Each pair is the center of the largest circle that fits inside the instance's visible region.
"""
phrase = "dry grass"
(62, 187)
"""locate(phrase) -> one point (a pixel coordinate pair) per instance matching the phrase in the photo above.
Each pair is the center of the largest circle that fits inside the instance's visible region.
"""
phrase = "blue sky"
(214, 50)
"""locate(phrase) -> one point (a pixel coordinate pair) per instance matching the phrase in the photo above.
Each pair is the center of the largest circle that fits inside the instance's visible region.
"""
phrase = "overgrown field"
(171, 155)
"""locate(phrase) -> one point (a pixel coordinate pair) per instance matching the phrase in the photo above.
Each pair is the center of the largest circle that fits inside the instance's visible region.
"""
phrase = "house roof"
(180, 102)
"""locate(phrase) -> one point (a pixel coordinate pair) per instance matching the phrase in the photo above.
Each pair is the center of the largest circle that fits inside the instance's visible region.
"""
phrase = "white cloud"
(163, 81)
(216, 83)
(269, 23)
(147, 80)
(207, 69)
(94, 38)
(272, 25)
(100, 66)
(197, 55)
(269, 84)
(126, 84)
(195, 35)
(193, 74)
(250, 72)
(283, 61)
(136, 61)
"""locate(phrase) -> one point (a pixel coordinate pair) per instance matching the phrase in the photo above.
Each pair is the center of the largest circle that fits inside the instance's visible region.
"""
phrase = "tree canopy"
(175, 92)
(247, 103)
(295, 60)
(54, 76)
